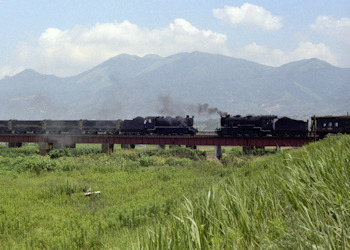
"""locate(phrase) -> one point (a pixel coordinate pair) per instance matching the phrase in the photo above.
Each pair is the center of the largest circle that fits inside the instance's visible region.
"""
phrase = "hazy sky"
(66, 37)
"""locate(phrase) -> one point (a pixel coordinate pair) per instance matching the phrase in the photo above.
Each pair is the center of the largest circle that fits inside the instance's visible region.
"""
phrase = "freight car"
(95, 127)
(238, 126)
(60, 127)
(27, 127)
(325, 125)
(63, 126)
(5, 127)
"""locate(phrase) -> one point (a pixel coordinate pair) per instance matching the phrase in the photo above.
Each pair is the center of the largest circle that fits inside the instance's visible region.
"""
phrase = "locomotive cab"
(150, 122)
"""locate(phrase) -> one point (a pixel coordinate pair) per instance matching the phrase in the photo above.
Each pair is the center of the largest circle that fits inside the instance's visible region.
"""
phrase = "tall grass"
(296, 199)
(42, 204)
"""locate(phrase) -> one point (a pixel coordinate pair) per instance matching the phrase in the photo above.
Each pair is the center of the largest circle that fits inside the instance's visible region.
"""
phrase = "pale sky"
(67, 37)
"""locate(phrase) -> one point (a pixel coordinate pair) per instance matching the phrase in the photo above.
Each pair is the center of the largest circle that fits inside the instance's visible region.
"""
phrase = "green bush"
(31, 149)
(57, 153)
(147, 161)
(180, 152)
(187, 153)
(31, 163)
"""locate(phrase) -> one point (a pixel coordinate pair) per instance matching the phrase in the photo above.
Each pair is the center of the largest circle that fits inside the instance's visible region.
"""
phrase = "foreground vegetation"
(42, 204)
(176, 198)
(293, 200)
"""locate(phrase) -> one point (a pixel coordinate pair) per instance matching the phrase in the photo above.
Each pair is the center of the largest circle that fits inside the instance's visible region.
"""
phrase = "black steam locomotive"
(260, 126)
(246, 126)
(159, 125)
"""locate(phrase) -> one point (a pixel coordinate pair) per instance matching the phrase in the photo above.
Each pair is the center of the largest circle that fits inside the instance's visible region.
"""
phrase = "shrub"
(147, 161)
(57, 153)
(187, 153)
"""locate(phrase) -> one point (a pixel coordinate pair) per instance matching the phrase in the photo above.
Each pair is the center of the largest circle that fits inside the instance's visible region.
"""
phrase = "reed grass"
(293, 200)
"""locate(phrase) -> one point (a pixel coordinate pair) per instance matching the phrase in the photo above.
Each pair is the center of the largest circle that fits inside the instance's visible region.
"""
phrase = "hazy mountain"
(187, 83)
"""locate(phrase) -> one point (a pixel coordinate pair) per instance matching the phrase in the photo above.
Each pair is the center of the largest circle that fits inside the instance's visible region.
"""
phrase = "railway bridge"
(48, 141)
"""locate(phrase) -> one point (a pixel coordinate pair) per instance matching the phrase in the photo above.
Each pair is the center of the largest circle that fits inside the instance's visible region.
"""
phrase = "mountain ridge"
(125, 86)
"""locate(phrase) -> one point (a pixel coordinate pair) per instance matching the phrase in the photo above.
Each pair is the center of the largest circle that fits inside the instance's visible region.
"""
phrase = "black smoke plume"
(205, 109)
(167, 106)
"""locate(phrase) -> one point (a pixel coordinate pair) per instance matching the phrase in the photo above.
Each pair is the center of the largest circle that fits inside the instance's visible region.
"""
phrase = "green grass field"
(42, 204)
(176, 199)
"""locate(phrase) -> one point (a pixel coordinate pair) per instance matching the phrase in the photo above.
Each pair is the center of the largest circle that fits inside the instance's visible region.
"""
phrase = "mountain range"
(200, 84)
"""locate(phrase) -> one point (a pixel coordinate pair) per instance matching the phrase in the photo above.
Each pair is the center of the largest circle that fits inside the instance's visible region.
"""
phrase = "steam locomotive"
(159, 126)
(260, 126)
(230, 126)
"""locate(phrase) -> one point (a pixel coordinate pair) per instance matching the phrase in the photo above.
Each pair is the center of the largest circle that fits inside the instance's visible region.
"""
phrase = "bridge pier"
(246, 149)
(278, 149)
(127, 146)
(217, 150)
(59, 145)
(44, 148)
(107, 148)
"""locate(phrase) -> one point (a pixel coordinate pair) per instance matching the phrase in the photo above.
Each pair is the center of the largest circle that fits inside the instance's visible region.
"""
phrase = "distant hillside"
(187, 83)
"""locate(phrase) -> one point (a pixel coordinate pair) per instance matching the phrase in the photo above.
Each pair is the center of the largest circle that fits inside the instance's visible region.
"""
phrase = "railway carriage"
(331, 125)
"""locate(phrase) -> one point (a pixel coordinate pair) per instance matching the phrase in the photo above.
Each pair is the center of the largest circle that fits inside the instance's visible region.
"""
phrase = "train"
(230, 126)
(157, 125)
